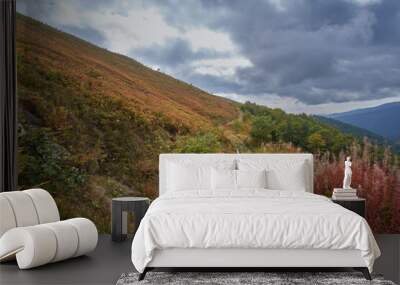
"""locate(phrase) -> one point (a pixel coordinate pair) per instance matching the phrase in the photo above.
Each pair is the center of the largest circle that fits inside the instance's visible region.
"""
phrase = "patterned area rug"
(229, 278)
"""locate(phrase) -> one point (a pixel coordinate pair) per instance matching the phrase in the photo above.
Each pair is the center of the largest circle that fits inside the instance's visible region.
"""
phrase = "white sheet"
(255, 218)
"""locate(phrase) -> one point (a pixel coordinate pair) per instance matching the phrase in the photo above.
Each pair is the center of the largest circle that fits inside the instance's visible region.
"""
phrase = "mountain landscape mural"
(93, 122)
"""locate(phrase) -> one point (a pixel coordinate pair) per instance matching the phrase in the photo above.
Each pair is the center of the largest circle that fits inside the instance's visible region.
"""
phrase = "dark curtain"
(8, 101)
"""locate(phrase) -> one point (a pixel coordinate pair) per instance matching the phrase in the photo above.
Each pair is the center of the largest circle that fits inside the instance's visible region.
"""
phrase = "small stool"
(119, 212)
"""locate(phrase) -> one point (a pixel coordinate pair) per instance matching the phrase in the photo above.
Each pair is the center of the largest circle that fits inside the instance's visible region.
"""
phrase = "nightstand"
(119, 212)
(357, 205)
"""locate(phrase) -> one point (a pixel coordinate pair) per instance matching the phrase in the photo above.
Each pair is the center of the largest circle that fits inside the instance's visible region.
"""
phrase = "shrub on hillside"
(200, 143)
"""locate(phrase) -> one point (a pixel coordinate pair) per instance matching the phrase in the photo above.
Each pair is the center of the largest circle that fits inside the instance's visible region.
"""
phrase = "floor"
(103, 266)
(110, 260)
(389, 262)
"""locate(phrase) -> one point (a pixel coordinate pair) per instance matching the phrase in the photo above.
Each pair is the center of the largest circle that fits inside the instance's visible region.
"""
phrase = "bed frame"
(249, 259)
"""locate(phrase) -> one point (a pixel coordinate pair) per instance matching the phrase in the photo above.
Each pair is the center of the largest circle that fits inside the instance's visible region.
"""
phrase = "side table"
(119, 215)
(357, 205)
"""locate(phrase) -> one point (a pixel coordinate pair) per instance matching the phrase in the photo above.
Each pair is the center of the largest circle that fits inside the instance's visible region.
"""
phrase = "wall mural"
(104, 87)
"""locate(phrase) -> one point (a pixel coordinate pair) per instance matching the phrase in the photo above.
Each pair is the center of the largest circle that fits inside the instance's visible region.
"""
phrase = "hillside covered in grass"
(92, 124)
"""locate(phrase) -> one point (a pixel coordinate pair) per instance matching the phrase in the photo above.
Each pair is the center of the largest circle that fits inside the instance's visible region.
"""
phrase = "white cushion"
(23, 208)
(67, 239)
(87, 234)
(32, 246)
(7, 218)
(281, 174)
(45, 205)
(176, 166)
(188, 177)
(251, 178)
(223, 179)
(230, 180)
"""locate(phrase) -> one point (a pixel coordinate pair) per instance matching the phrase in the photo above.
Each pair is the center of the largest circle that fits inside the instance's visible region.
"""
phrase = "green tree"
(316, 142)
(262, 129)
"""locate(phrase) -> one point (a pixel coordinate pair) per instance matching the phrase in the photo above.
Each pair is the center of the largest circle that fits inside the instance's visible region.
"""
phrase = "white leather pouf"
(31, 230)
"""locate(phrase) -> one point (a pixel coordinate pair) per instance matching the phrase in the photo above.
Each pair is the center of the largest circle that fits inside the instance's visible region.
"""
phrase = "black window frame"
(8, 97)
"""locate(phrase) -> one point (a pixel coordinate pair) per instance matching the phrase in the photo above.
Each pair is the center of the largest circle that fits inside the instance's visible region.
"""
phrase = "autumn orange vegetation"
(376, 180)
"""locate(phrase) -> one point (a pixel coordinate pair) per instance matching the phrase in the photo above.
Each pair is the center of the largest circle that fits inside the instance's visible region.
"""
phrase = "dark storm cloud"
(39, 9)
(174, 53)
(44, 11)
(35, 9)
(314, 51)
(178, 56)
(210, 82)
(88, 34)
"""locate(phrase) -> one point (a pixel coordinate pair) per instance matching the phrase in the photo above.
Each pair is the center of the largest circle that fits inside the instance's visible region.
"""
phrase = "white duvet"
(250, 219)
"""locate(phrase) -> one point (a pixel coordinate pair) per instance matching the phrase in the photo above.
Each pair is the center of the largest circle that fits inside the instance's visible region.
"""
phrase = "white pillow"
(223, 179)
(251, 178)
(188, 177)
(281, 174)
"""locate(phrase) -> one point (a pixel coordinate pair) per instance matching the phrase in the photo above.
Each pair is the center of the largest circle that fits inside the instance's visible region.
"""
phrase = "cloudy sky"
(313, 56)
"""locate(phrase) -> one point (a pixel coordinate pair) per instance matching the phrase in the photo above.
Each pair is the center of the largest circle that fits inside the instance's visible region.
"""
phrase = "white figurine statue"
(347, 173)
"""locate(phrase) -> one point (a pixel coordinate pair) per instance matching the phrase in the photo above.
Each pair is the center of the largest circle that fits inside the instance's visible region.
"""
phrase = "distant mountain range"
(382, 120)
(350, 129)
(359, 132)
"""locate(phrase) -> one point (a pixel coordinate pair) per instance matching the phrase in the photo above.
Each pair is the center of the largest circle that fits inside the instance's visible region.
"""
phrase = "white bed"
(248, 227)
